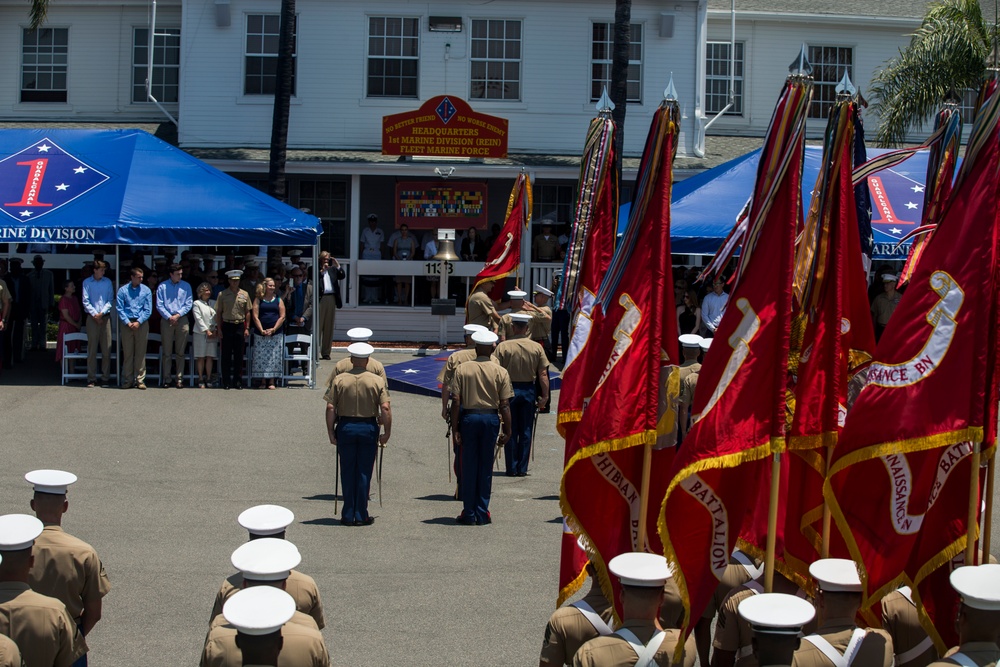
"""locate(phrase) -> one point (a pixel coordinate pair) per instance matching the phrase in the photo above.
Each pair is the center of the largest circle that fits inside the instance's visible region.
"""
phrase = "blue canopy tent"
(126, 187)
(704, 207)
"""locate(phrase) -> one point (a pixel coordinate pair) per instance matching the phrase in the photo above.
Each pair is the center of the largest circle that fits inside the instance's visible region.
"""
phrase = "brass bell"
(446, 251)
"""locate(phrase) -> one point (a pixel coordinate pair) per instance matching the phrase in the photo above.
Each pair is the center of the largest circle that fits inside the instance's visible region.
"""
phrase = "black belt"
(232, 321)
(356, 420)
(479, 411)
(524, 385)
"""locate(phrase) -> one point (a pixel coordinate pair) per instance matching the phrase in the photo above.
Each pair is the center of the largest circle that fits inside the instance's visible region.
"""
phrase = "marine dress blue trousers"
(357, 445)
(479, 437)
(522, 417)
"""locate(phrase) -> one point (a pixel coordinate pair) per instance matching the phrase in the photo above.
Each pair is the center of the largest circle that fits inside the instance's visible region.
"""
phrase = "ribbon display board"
(444, 126)
(429, 205)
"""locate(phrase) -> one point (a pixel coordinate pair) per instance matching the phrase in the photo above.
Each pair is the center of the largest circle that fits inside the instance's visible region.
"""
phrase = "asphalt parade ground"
(165, 472)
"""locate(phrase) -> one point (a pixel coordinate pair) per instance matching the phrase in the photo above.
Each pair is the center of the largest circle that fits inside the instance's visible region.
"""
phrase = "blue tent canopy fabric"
(126, 187)
(704, 207)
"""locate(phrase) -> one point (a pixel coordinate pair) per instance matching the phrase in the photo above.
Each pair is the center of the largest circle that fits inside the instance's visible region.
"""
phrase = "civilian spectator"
(42, 291)
(404, 248)
(153, 282)
(268, 343)
(135, 305)
(473, 248)
(688, 314)
(205, 337)
(174, 301)
(330, 275)
(98, 298)
(713, 306)
(69, 318)
(298, 306)
(213, 282)
(885, 303)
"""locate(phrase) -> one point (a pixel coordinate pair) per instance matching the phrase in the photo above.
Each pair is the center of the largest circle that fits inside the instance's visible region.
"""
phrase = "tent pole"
(114, 321)
(317, 293)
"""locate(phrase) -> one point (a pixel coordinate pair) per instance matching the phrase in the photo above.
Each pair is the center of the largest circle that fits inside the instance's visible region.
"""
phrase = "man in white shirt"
(372, 239)
(330, 276)
(713, 306)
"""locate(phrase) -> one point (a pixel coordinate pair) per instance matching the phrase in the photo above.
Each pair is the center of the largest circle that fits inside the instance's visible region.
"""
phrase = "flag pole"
(647, 464)
(988, 513)
(824, 551)
(972, 525)
(772, 523)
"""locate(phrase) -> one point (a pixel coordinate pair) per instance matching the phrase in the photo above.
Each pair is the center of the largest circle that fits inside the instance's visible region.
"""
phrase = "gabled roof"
(881, 8)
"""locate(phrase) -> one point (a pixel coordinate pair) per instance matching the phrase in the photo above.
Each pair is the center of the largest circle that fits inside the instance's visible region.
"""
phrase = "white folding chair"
(305, 356)
(74, 364)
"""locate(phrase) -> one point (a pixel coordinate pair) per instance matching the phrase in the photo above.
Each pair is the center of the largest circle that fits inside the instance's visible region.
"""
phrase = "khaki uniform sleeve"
(506, 389)
(554, 644)
(727, 629)
(96, 583)
(383, 391)
(444, 377)
(72, 645)
(541, 363)
(456, 386)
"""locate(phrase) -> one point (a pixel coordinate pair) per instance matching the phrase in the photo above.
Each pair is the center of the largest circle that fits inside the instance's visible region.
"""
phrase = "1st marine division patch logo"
(42, 178)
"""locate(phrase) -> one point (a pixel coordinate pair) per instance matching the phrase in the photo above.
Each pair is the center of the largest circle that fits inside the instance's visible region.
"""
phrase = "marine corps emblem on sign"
(446, 110)
(42, 178)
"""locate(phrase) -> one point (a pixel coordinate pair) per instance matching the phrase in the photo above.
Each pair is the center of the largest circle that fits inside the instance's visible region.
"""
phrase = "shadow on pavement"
(437, 496)
(39, 368)
(441, 521)
(328, 521)
(547, 498)
(322, 496)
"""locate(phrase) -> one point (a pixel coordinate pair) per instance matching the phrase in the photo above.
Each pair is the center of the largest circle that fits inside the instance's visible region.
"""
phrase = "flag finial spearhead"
(801, 65)
(605, 105)
(670, 92)
(845, 86)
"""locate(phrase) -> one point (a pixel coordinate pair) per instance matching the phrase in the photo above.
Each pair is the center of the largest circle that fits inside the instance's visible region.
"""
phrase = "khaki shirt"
(68, 569)
(302, 647)
(9, 655)
(545, 249)
(687, 368)
(568, 629)
(899, 619)
(732, 633)
(523, 358)
(300, 586)
(875, 649)
(40, 626)
(456, 359)
(298, 618)
(479, 310)
(481, 384)
(233, 307)
(357, 393)
(735, 575)
(540, 325)
(344, 366)
(984, 654)
(614, 651)
(883, 306)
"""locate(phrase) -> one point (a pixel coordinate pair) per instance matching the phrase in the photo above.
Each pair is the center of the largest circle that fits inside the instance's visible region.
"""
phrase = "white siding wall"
(331, 110)
(100, 60)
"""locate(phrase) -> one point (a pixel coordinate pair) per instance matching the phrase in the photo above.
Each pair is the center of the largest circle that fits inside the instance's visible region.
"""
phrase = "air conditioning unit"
(445, 23)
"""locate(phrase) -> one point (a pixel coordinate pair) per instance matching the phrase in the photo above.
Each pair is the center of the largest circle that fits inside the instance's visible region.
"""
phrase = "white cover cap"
(836, 575)
(266, 519)
(692, 341)
(266, 559)
(978, 585)
(359, 334)
(889, 278)
(50, 481)
(473, 328)
(776, 613)
(640, 569)
(18, 531)
(260, 610)
(705, 343)
(543, 290)
(360, 349)
(295, 252)
(235, 273)
(485, 337)
(523, 318)
(517, 294)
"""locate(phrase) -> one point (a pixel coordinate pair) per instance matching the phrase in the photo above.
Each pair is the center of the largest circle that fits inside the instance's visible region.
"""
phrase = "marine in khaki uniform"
(258, 632)
(733, 635)
(741, 569)
(691, 350)
(638, 641)
(838, 599)
(515, 298)
(540, 330)
(39, 625)
(776, 620)
(572, 626)
(65, 568)
(978, 622)
(270, 521)
(444, 378)
(480, 406)
(525, 362)
(357, 402)
(358, 335)
(10, 656)
(480, 308)
(912, 646)
(545, 246)
(233, 308)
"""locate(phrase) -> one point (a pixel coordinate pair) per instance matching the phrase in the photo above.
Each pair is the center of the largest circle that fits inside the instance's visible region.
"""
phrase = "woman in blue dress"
(268, 340)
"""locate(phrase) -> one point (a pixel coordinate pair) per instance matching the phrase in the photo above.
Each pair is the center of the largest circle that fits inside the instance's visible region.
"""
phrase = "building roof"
(883, 8)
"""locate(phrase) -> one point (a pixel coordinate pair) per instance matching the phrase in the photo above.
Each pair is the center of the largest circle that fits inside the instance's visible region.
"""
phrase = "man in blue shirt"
(135, 305)
(174, 301)
(98, 298)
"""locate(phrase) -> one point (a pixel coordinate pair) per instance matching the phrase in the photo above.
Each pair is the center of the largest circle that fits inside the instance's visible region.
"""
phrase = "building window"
(829, 64)
(717, 78)
(393, 56)
(327, 200)
(44, 57)
(165, 82)
(496, 60)
(554, 204)
(601, 50)
(968, 105)
(261, 55)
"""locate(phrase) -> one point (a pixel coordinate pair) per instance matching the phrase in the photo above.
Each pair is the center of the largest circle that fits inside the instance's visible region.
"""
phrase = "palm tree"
(37, 13)
(948, 53)
(619, 76)
(276, 183)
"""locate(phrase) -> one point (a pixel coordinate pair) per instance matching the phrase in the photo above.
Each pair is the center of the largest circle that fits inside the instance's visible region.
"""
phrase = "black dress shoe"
(485, 521)
(465, 520)
(239, 386)
(366, 522)
(226, 387)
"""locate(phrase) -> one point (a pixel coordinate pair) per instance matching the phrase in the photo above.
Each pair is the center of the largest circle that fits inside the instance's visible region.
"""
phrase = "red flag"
(739, 404)
(632, 346)
(504, 258)
(590, 249)
(899, 486)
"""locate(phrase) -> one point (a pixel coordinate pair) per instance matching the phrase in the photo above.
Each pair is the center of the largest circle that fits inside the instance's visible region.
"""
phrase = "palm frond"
(37, 13)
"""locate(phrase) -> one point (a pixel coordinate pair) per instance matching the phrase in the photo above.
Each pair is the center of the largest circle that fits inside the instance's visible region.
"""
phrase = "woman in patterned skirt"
(268, 340)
